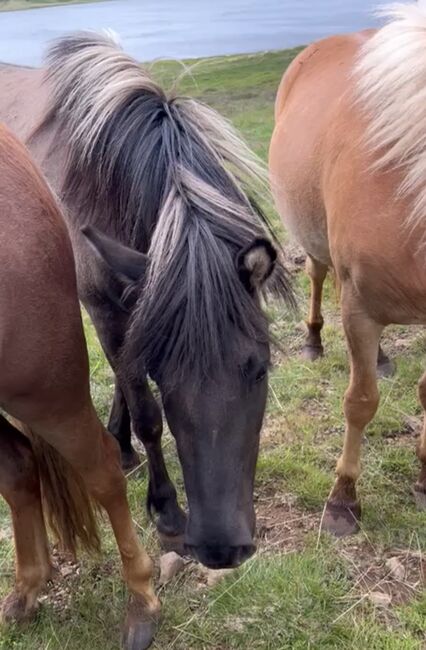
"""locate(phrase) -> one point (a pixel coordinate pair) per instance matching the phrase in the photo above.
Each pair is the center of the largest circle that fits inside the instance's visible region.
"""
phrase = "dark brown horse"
(348, 170)
(44, 384)
(170, 267)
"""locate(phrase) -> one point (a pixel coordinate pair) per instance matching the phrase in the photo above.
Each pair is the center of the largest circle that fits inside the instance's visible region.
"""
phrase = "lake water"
(152, 29)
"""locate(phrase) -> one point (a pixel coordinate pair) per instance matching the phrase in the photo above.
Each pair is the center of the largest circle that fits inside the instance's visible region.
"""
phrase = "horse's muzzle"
(221, 557)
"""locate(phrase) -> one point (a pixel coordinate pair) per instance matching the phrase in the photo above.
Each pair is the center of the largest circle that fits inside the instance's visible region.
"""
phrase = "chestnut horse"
(348, 171)
(44, 384)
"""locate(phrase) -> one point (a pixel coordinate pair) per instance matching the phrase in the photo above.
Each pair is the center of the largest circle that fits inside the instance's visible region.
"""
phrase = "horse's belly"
(297, 199)
(306, 226)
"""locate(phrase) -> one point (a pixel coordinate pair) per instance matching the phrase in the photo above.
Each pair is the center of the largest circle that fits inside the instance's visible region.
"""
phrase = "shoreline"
(22, 5)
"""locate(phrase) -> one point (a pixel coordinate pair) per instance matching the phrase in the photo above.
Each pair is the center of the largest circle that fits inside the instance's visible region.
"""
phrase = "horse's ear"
(128, 264)
(119, 268)
(255, 263)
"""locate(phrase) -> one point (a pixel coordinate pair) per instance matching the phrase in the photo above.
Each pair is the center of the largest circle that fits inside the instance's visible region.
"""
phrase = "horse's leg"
(148, 426)
(420, 485)
(360, 404)
(87, 446)
(317, 272)
(20, 486)
(111, 325)
(147, 422)
(119, 426)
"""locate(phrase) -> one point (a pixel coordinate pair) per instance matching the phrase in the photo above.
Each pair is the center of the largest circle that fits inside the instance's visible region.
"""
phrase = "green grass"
(18, 5)
(312, 594)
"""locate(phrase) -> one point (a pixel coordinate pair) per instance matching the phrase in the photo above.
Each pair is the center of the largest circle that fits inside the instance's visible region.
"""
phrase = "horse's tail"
(67, 505)
(391, 87)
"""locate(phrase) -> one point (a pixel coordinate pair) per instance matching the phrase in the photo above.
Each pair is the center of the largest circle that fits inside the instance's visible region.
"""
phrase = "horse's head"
(214, 400)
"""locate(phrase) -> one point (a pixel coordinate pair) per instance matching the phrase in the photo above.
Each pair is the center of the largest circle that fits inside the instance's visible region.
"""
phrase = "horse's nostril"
(221, 557)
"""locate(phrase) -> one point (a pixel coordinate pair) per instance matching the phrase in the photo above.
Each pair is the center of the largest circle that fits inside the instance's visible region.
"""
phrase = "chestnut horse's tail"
(391, 88)
(68, 507)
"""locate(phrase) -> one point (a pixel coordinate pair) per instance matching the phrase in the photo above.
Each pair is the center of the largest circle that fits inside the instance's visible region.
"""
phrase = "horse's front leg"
(343, 509)
(120, 427)
(147, 424)
(111, 324)
(133, 397)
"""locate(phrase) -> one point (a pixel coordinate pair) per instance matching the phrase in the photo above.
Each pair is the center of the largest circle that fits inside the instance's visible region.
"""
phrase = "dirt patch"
(384, 577)
(399, 575)
(66, 581)
(281, 525)
(407, 435)
(397, 339)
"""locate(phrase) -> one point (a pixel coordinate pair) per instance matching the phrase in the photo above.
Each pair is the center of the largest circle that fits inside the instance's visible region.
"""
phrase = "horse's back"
(41, 339)
(22, 98)
(309, 95)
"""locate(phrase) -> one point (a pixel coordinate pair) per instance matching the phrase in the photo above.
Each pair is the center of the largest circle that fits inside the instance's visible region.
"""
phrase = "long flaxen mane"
(168, 176)
(390, 79)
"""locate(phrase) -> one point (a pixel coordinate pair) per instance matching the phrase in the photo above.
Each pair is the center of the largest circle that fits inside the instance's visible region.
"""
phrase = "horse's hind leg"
(94, 453)
(313, 348)
(20, 486)
(343, 510)
(420, 485)
(317, 272)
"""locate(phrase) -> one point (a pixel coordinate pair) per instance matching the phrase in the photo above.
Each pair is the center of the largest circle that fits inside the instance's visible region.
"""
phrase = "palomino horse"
(44, 384)
(348, 166)
(170, 267)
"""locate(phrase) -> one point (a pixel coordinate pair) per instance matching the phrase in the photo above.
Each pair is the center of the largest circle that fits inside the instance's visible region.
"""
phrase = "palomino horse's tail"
(67, 505)
(391, 87)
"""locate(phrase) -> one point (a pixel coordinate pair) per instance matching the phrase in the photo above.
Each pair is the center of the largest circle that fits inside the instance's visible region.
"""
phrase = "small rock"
(170, 564)
(214, 576)
(396, 568)
(67, 571)
(379, 599)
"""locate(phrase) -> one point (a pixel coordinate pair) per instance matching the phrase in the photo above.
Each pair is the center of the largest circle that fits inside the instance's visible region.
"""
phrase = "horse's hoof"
(139, 636)
(14, 609)
(419, 492)
(341, 519)
(140, 626)
(312, 352)
(385, 368)
(129, 461)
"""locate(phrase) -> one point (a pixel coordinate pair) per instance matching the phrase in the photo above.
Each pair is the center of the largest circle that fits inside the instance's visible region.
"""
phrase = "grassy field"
(300, 591)
(18, 5)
